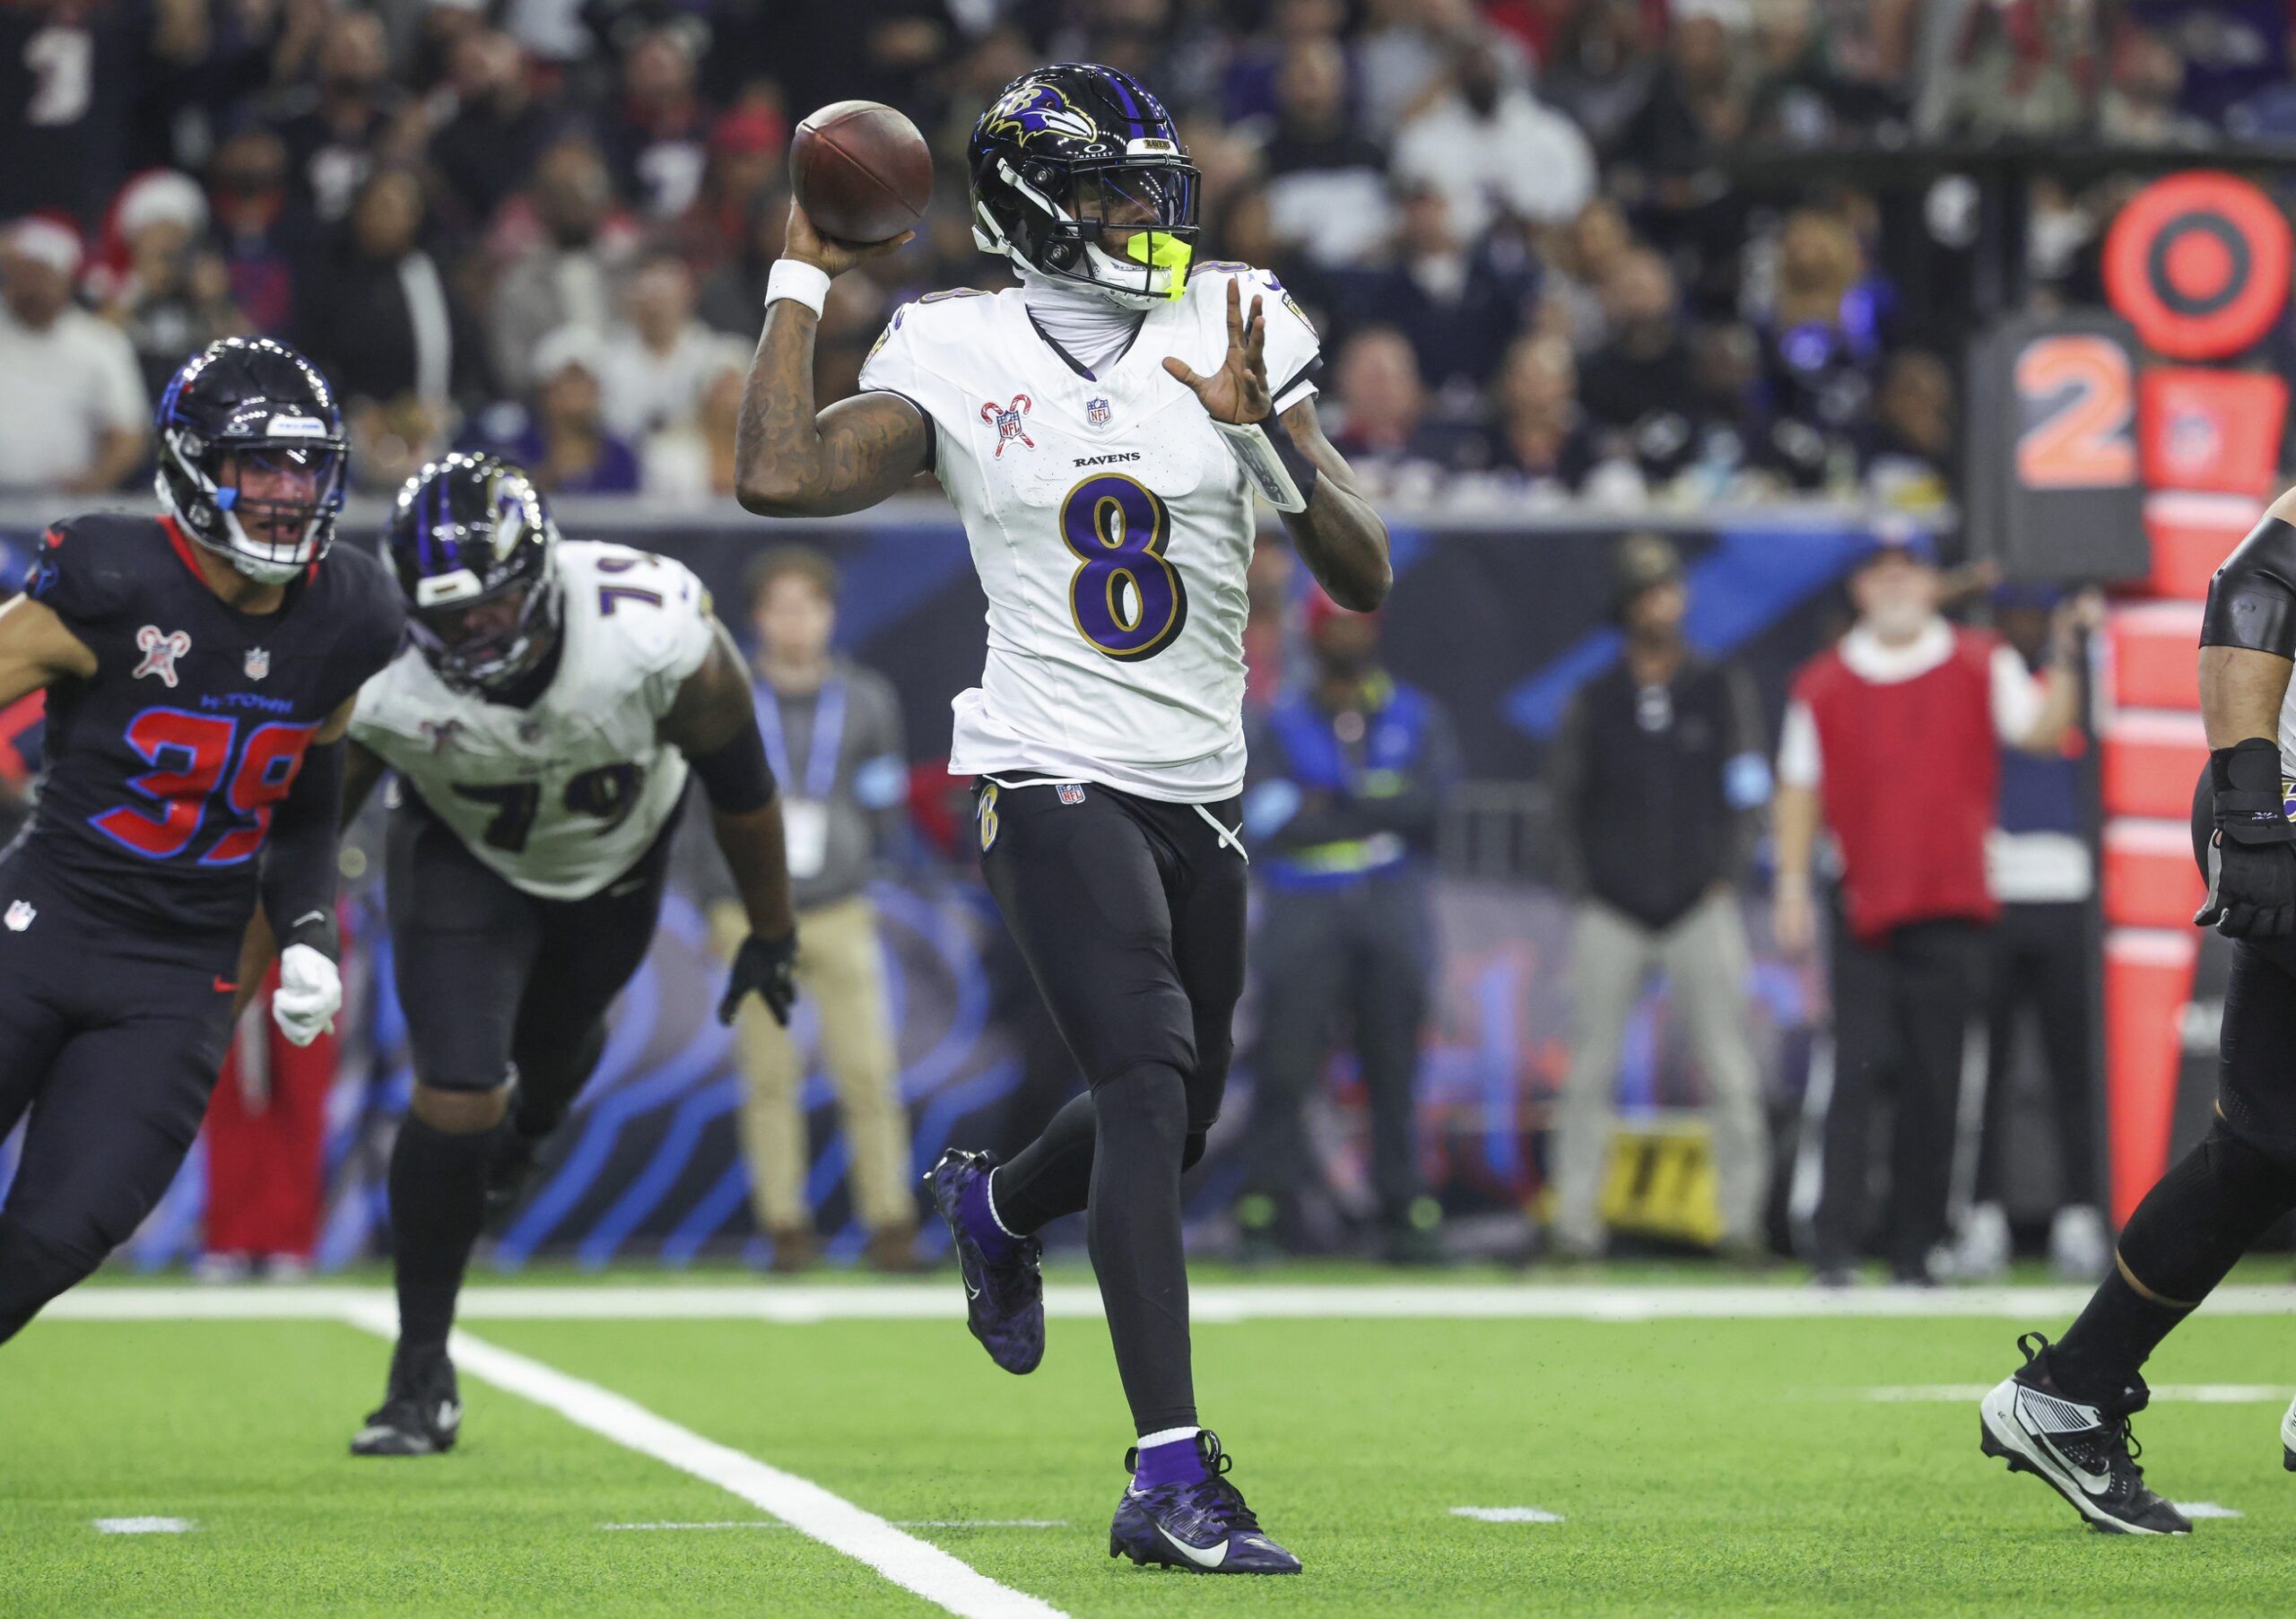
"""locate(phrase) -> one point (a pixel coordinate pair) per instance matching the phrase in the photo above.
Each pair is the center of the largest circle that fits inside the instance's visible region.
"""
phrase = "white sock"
(989, 1193)
(1166, 1436)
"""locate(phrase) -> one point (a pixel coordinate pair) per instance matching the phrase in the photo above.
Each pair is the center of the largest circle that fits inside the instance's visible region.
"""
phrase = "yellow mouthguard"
(1168, 253)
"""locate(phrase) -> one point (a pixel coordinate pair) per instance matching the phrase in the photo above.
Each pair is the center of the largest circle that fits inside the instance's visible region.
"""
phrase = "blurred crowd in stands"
(1534, 233)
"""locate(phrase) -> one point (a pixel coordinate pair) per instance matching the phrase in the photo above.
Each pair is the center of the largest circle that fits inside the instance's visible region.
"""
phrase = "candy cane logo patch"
(1011, 423)
(160, 649)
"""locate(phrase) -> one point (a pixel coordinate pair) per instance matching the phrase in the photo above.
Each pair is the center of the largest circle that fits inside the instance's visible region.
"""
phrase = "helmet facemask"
(484, 604)
(1125, 228)
(486, 641)
(267, 503)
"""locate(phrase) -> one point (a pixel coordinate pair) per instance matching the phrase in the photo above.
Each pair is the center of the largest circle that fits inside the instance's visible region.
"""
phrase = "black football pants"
(110, 1039)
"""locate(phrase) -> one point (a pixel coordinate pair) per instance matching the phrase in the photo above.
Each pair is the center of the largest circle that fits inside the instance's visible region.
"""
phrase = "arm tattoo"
(1340, 537)
(791, 462)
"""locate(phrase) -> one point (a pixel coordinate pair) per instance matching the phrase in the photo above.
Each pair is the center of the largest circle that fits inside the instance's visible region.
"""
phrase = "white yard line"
(143, 1525)
(1508, 1514)
(2193, 1394)
(1210, 1304)
(914, 1565)
(2206, 1508)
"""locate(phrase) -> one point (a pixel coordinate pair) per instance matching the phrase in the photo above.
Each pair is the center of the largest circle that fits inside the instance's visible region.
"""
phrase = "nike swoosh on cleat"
(2091, 1483)
(309, 915)
(1195, 1555)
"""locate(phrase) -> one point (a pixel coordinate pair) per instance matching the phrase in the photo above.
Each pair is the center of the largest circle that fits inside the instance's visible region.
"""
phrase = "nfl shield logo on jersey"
(21, 915)
(1097, 412)
(1071, 792)
(258, 663)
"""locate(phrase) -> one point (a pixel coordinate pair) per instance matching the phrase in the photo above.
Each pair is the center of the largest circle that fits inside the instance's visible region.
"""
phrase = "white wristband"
(797, 282)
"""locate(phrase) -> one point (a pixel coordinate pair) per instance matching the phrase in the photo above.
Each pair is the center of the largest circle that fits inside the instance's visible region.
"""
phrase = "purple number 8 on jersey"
(1126, 598)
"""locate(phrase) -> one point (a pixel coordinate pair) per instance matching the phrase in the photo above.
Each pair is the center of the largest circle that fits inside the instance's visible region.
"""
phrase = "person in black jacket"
(1658, 770)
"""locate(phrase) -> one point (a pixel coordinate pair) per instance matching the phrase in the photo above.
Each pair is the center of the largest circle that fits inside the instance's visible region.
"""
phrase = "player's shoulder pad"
(655, 606)
(919, 328)
(372, 610)
(96, 566)
(1293, 345)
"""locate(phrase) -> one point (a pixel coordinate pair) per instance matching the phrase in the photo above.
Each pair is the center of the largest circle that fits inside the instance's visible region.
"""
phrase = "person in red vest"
(266, 1150)
(1890, 743)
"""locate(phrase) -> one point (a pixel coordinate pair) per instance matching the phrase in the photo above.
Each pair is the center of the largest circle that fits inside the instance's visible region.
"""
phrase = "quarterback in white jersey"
(1106, 432)
(543, 719)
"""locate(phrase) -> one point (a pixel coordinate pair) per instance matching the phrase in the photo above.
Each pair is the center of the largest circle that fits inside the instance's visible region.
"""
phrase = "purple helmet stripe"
(1123, 89)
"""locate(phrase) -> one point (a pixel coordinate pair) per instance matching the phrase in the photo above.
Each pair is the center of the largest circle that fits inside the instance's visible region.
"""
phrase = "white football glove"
(309, 993)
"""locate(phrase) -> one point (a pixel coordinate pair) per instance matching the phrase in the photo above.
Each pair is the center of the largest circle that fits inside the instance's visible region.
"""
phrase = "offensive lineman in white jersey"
(543, 721)
(1103, 430)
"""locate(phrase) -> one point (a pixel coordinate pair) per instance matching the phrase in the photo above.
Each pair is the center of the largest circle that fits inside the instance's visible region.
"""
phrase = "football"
(861, 170)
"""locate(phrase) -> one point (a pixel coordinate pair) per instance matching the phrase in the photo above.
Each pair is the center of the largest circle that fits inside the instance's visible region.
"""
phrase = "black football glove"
(768, 966)
(2251, 857)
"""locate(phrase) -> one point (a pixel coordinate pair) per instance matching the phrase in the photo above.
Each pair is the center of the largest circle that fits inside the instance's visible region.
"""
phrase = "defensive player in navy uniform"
(542, 724)
(200, 668)
(1104, 431)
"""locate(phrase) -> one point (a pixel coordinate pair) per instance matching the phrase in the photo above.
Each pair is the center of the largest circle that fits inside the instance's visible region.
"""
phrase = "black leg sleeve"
(1051, 1176)
(1134, 1231)
(437, 1199)
(2182, 1240)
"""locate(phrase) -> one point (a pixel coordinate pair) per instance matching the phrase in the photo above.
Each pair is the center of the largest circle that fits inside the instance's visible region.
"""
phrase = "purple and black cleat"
(1004, 1288)
(1200, 1525)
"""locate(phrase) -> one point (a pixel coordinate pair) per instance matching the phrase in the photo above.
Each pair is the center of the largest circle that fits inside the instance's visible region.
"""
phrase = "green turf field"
(1698, 1465)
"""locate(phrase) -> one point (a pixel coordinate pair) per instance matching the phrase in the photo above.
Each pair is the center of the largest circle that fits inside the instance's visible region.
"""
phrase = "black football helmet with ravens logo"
(475, 552)
(1069, 152)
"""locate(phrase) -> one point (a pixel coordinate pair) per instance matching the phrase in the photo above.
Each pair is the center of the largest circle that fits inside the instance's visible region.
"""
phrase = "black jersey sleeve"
(372, 620)
(85, 579)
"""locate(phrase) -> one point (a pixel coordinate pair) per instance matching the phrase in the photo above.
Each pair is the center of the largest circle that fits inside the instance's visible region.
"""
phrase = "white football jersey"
(562, 798)
(1111, 527)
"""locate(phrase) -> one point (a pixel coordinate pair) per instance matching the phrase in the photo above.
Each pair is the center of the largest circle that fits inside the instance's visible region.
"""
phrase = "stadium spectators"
(1489, 145)
(1660, 773)
(263, 237)
(659, 359)
(1326, 187)
(74, 415)
(563, 273)
(553, 144)
(565, 444)
(171, 292)
(377, 318)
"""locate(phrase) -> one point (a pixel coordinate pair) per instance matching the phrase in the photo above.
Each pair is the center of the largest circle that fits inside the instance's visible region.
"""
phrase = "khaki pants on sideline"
(840, 971)
(1705, 961)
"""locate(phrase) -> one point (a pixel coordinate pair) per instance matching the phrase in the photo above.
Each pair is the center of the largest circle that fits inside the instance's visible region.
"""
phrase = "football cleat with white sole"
(2288, 1439)
(2083, 1452)
(421, 1411)
(1203, 1528)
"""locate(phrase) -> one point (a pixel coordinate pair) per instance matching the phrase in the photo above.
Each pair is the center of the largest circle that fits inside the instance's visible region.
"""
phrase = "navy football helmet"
(476, 555)
(1079, 174)
(253, 456)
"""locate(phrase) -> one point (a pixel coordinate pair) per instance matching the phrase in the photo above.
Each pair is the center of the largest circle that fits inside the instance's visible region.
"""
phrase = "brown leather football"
(861, 170)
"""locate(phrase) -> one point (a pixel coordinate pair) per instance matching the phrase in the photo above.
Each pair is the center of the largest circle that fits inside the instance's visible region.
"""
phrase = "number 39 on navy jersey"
(565, 796)
(164, 769)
